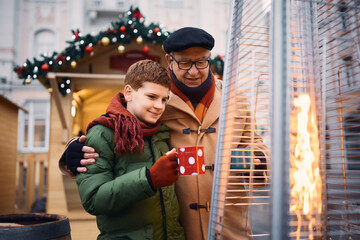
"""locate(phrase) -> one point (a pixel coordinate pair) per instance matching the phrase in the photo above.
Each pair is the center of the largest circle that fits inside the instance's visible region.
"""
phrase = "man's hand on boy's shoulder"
(78, 156)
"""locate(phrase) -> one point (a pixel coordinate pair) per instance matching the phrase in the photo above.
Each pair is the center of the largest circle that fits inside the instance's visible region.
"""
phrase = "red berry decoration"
(110, 31)
(136, 14)
(88, 49)
(45, 67)
(146, 49)
(60, 58)
(76, 34)
(19, 70)
(122, 29)
(156, 30)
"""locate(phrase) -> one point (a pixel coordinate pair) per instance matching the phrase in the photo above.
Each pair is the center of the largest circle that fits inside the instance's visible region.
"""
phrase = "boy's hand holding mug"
(164, 172)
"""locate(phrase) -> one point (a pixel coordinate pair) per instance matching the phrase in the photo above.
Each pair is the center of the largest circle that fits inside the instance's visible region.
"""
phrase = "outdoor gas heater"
(292, 78)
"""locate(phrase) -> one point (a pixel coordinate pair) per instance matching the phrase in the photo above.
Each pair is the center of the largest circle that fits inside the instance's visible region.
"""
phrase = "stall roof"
(12, 104)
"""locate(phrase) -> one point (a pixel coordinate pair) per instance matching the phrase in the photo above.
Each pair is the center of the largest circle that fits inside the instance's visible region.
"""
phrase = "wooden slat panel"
(8, 149)
(41, 180)
(30, 185)
(20, 187)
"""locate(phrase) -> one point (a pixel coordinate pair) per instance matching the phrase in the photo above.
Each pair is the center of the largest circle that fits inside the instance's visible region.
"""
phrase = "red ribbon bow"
(136, 14)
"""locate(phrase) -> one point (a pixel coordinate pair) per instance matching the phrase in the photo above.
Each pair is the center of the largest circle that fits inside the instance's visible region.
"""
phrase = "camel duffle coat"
(194, 192)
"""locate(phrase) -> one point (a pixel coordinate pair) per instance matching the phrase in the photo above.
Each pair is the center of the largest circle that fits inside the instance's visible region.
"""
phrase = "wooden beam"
(56, 93)
(98, 84)
(89, 75)
(93, 80)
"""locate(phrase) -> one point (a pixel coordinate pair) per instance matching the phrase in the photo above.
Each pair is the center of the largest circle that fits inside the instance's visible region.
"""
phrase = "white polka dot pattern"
(191, 160)
(200, 152)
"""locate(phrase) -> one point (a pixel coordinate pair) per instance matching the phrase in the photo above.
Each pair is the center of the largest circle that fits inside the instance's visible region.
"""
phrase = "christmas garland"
(121, 32)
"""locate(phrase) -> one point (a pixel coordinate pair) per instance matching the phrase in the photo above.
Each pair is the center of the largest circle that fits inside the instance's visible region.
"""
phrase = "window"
(97, 3)
(120, 4)
(344, 16)
(34, 127)
(44, 42)
(348, 71)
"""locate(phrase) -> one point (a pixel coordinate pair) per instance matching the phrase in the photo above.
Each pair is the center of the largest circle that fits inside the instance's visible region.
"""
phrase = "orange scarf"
(204, 103)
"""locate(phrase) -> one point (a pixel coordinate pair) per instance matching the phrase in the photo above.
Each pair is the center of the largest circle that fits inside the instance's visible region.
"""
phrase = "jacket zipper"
(160, 191)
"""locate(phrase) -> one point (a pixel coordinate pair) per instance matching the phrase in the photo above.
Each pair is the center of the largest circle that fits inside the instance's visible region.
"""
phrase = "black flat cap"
(188, 37)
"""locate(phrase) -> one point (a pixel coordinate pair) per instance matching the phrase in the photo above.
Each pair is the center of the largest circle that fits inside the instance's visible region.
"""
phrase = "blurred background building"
(30, 28)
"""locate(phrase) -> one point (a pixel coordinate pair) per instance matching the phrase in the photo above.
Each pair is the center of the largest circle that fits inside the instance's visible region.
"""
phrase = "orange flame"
(305, 179)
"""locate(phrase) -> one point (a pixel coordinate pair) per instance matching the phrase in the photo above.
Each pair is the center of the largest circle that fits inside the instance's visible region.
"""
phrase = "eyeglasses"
(186, 65)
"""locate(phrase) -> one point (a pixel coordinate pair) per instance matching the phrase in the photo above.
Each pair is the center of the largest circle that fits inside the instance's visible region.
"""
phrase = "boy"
(130, 188)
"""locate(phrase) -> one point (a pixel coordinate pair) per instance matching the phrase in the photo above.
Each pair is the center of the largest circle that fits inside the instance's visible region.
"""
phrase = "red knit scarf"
(129, 131)
(204, 103)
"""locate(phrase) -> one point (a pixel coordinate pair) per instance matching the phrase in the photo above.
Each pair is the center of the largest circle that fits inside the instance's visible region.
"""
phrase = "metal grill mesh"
(247, 105)
(339, 34)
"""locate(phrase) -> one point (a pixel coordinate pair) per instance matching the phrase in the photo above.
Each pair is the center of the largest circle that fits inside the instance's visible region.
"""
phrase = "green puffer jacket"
(116, 190)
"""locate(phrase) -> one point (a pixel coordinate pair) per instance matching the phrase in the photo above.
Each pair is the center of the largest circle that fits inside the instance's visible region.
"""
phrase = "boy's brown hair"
(147, 71)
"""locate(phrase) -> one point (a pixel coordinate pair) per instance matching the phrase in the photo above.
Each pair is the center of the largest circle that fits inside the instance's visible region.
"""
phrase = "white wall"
(211, 15)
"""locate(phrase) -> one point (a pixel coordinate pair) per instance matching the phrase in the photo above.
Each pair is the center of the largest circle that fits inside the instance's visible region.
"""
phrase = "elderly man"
(192, 114)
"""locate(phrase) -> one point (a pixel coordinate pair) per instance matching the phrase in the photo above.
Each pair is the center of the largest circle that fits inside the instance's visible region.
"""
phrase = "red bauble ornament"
(88, 49)
(45, 67)
(122, 29)
(156, 30)
(146, 49)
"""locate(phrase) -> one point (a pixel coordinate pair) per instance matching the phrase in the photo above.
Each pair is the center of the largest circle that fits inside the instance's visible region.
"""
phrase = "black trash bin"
(34, 226)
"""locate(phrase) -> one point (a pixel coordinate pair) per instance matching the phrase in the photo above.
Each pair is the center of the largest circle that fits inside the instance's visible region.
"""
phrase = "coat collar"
(211, 115)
